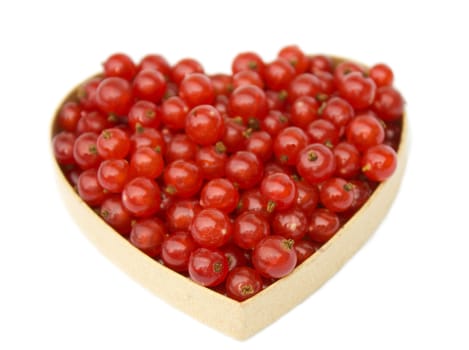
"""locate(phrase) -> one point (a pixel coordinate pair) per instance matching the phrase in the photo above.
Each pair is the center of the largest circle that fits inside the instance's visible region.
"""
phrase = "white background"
(406, 289)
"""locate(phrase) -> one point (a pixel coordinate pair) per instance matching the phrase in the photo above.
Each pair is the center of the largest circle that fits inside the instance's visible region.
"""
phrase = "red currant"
(280, 191)
(316, 163)
(148, 235)
(141, 197)
(379, 162)
(219, 194)
(274, 257)
(176, 250)
(242, 283)
(205, 125)
(208, 267)
(119, 65)
(114, 96)
(244, 169)
(197, 89)
(249, 228)
(182, 178)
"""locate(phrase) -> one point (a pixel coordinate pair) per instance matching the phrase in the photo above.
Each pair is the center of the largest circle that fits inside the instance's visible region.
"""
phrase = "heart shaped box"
(250, 316)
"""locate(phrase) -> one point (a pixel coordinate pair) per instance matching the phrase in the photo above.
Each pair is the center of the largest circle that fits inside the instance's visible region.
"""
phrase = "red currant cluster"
(231, 179)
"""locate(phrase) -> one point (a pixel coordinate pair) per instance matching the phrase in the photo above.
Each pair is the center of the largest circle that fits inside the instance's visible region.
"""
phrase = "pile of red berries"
(234, 179)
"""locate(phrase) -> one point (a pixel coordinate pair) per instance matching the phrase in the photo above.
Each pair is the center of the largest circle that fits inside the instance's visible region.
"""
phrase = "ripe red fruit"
(182, 178)
(249, 228)
(63, 144)
(219, 194)
(323, 225)
(204, 125)
(141, 197)
(364, 131)
(149, 85)
(148, 235)
(379, 162)
(176, 250)
(197, 89)
(248, 102)
(274, 257)
(336, 194)
(114, 96)
(244, 169)
(242, 283)
(316, 163)
(358, 90)
(280, 191)
(211, 228)
(208, 267)
(288, 144)
(119, 65)
(388, 104)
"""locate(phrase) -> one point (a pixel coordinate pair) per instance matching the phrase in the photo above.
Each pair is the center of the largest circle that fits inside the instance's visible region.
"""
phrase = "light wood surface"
(239, 320)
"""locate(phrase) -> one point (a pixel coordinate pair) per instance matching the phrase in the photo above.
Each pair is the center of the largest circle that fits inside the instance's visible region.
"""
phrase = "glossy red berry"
(119, 65)
(185, 67)
(211, 228)
(173, 112)
(248, 102)
(379, 162)
(149, 85)
(156, 62)
(116, 215)
(278, 74)
(347, 159)
(69, 115)
(280, 191)
(306, 84)
(316, 163)
(208, 267)
(141, 197)
(180, 214)
(297, 58)
(260, 143)
(291, 223)
(303, 111)
(148, 235)
(204, 125)
(219, 194)
(305, 248)
(249, 228)
(113, 174)
(388, 104)
(113, 144)
(114, 96)
(243, 283)
(364, 131)
(358, 90)
(323, 225)
(144, 113)
(146, 162)
(288, 144)
(323, 131)
(63, 144)
(176, 250)
(336, 194)
(85, 152)
(89, 188)
(248, 61)
(381, 74)
(274, 257)
(236, 256)
(197, 89)
(182, 178)
(244, 169)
